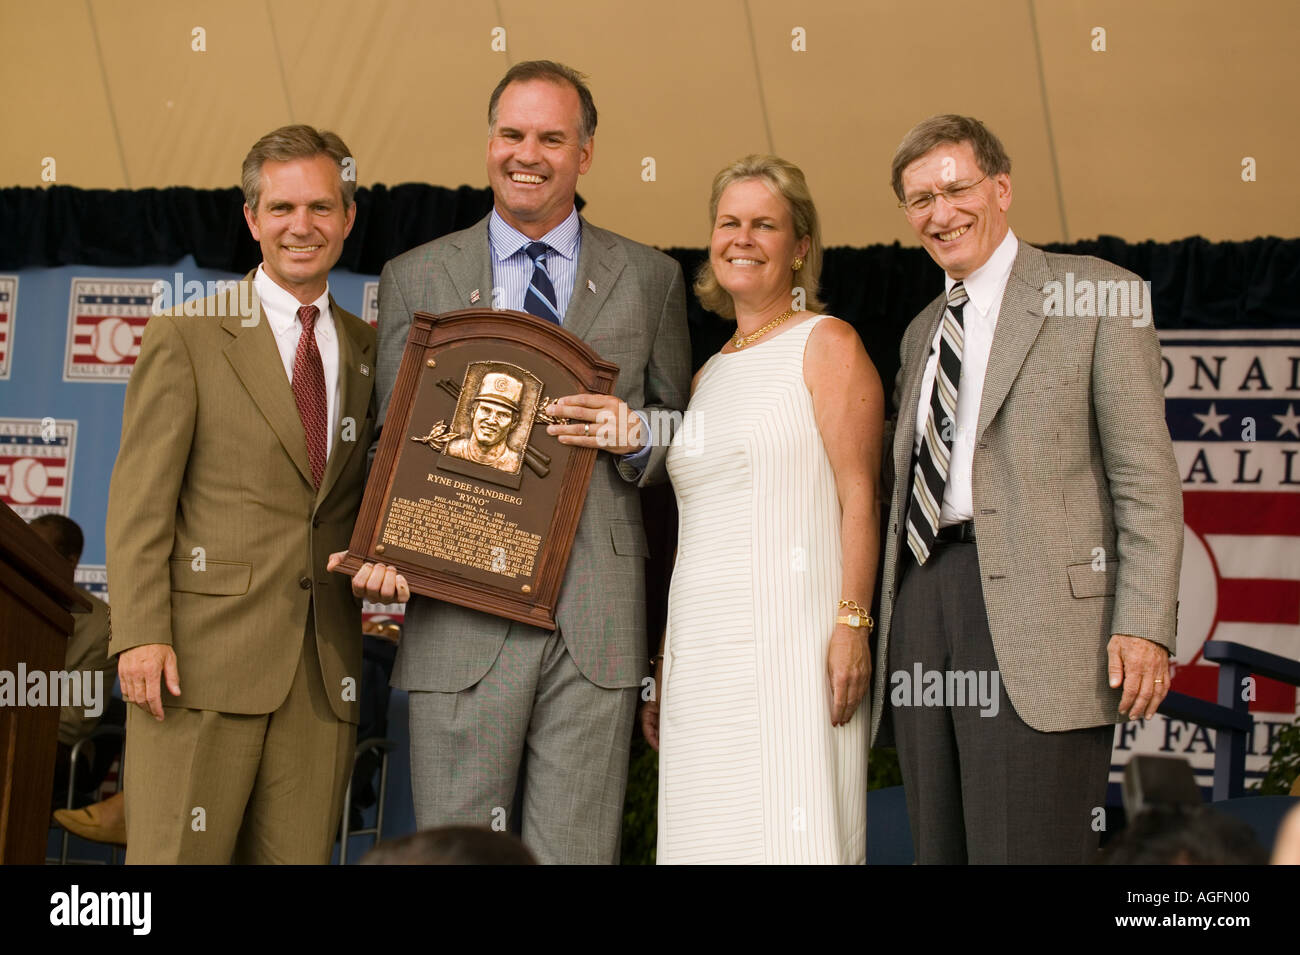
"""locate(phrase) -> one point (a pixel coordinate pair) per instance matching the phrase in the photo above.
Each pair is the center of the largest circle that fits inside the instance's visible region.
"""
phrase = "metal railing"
(1230, 717)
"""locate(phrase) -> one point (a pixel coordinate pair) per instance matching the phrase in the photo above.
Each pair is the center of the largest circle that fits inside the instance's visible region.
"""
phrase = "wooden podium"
(36, 600)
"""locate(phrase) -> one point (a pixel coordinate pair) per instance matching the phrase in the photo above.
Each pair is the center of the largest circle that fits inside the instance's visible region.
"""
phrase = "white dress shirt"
(984, 287)
(281, 310)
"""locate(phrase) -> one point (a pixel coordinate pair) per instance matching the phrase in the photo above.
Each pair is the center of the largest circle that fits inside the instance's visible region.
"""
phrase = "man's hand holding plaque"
(597, 421)
(378, 583)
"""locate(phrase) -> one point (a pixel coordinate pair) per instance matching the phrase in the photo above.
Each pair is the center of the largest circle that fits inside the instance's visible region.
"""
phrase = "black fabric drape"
(67, 226)
(1195, 283)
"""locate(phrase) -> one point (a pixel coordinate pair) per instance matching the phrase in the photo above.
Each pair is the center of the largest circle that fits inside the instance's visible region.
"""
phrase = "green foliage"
(641, 807)
(882, 769)
(1284, 765)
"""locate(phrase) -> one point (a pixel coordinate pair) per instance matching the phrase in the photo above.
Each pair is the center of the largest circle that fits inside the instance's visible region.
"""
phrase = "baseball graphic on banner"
(112, 340)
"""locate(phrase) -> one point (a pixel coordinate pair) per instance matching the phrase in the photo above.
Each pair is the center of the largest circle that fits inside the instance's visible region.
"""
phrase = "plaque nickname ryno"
(469, 497)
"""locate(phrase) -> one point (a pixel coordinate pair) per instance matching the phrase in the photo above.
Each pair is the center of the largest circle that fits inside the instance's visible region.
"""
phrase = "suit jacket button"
(304, 583)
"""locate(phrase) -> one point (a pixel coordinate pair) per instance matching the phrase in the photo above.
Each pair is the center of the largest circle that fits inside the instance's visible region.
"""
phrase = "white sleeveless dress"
(750, 768)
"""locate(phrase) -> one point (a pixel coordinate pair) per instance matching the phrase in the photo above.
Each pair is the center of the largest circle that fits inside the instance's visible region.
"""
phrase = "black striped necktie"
(930, 474)
(540, 298)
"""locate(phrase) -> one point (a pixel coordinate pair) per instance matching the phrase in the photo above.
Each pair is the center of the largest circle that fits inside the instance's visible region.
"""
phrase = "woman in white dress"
(761, 736)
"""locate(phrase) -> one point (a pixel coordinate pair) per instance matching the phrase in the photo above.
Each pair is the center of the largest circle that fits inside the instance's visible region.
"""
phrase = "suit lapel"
(470, 270)
(905, 427)
(354, 397)
(1019, 321)
(256, 360)
(600, 262)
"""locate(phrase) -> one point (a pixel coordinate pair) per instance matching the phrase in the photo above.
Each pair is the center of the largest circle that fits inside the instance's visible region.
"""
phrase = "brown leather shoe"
(99, 822)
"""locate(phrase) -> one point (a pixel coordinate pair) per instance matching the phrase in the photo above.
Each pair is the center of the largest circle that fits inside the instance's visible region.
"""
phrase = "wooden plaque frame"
(440, 352)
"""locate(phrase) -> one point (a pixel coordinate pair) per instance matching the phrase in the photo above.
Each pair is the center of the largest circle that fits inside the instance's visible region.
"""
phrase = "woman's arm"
(848, 403)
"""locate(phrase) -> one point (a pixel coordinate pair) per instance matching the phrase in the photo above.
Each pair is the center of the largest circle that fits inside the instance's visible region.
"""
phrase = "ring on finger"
(586, 429)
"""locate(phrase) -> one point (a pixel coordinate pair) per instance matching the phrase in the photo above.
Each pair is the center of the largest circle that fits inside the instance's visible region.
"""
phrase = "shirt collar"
(506, 240)
(281, 307)
(985, 284)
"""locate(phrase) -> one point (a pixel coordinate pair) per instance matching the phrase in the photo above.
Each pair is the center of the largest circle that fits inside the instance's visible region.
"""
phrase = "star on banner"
(1210, 421)
(1288, 423)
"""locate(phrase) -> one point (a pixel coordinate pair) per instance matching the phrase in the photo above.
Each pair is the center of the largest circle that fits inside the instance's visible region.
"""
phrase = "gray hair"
(949, 128)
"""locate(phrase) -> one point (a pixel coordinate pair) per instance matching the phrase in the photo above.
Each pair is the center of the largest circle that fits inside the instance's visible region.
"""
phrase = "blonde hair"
(786, 180)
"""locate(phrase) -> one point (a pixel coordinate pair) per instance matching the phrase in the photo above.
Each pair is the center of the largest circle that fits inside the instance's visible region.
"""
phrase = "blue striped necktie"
(930, 474)
(540, 298)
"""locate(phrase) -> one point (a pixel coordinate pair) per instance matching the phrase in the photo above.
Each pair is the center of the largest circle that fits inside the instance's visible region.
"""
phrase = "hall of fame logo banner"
(8, 306)
(370, 304)
(36, 464)
(1232, 404)
(106, 318)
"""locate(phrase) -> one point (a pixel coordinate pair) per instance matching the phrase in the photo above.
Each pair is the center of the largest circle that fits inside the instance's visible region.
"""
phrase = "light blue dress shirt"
(512, 270)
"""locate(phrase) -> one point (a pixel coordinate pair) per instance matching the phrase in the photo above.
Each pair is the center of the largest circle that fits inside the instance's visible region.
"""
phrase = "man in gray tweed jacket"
(499, 707)
(1035, 532)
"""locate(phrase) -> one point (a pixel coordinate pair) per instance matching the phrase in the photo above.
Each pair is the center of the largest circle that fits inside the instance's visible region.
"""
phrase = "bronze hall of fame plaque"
(469, 497)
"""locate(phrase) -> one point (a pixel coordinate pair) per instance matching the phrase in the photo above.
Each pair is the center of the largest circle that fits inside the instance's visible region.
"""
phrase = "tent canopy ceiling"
(1144, 140)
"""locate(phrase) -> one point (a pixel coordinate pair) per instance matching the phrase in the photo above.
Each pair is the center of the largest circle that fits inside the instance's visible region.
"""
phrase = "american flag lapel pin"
(473, 296)
(591, 286)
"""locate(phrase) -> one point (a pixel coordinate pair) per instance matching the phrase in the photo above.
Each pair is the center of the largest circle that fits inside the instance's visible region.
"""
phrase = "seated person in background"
(87, 653)
(379, 636)
(452, 845)
(1185, 835)
(103, 821)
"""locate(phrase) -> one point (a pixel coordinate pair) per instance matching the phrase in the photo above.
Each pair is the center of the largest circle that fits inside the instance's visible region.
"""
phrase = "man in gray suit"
(496, 704)
(1035, 531)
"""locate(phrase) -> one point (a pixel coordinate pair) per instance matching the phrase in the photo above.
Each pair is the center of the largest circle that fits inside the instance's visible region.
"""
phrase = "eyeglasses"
(956, 194)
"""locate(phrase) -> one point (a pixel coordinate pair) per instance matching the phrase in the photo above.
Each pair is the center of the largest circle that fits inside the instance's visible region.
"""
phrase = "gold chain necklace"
(741, 341)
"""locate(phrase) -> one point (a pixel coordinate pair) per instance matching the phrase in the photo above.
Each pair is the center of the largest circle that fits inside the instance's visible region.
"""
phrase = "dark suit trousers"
(981, 788)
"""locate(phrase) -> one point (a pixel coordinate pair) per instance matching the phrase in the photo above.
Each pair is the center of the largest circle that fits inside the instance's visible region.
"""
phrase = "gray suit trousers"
(534, 709)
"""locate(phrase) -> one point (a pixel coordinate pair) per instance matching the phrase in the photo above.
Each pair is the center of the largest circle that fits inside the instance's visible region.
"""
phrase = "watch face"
(855, 620)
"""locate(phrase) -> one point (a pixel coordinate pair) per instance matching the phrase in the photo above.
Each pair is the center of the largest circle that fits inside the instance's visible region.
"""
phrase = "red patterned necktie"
(309, 392)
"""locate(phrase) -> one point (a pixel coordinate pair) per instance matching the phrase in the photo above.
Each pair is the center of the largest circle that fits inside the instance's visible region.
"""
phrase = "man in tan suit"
(1035, 533)
(241, 468)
